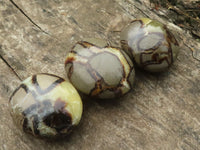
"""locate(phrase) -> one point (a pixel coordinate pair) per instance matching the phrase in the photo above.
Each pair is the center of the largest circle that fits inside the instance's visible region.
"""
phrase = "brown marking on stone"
(85, 44)
(53, 75)
(72, 49)
(51, 87)
(171, 37)
(71, 69)
(126, 47)
(101, 86)
(159, 62)
(98, 88)
(131, 69)
(15, 91)
(33, 113)
(85, 56)
(69, 60)
(25, 126)
(60, 119)
(154, 56)
(34, 79)
(35, 123)
(124, 73)
(88, 45)
(142, 23)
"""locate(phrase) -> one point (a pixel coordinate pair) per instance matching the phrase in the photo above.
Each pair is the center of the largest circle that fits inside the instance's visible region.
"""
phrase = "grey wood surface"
(162, 112)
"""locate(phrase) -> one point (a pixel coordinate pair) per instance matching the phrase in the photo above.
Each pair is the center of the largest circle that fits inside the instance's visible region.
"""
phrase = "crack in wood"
(28, 17)
(191, 49)
(11, 68)
(35, 23)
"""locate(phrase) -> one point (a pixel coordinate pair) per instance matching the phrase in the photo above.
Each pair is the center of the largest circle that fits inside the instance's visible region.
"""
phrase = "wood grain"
(162, 112)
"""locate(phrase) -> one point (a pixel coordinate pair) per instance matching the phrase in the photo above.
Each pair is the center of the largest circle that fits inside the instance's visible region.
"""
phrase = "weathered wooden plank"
(162, 111)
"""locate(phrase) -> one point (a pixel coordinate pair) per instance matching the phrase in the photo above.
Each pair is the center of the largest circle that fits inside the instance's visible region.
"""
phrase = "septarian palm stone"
(99, 70)
(46, 105)
(152, 46)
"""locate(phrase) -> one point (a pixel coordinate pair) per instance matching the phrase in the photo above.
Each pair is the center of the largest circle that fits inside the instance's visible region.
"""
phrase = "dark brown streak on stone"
(34, 118)
(158, 62)
(25, 125)
(28, 17)
(11, 68)
(21, 86)
(124, 74)
(52, 86)
(35, 125)
(26, 90)
(131, 69)
(85, 44)
(60, 119)
(171, 38)
(72, 49)
(34, 80)
(75, 52)
(125, 46)
(98, 85)
(53, 75)
(70, 71)
(150, 51)
(142, 24)
(143, 64)
(69, 60)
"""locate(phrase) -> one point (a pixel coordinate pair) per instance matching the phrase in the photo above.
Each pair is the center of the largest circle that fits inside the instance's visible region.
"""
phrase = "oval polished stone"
(152, 46)
(99, 70)
(46, 105)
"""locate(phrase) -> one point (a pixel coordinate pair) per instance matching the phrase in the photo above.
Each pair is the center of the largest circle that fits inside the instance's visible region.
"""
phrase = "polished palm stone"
(152, 46)
(46, 105)
(99, 70)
